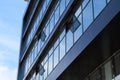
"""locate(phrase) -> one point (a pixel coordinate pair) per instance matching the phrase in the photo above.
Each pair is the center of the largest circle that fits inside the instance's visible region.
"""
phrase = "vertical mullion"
(82, 19)
(93, 10)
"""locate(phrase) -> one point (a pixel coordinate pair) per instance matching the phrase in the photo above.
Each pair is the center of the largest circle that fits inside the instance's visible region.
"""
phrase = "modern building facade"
(70, 40)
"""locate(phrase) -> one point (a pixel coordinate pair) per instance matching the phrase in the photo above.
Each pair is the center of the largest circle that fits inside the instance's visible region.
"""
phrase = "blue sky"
(11, 15)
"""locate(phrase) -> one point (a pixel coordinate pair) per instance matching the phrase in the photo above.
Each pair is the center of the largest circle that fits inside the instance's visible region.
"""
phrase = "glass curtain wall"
(78, 24)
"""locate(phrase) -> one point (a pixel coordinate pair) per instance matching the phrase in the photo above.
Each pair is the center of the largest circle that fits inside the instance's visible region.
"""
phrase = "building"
(70, 40)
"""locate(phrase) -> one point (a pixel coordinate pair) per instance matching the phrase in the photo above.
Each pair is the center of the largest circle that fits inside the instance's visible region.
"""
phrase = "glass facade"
(32, 32)
(46, 32)
(78, 24)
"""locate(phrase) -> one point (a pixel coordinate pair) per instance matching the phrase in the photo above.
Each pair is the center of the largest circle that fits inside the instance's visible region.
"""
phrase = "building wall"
(58, 32)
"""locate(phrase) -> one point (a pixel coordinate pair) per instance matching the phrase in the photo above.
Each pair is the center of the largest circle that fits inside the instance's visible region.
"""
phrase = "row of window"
(72, 32)
(28, 19)
(108, 71)
(36, 24)
(46, 32)
(89, 10)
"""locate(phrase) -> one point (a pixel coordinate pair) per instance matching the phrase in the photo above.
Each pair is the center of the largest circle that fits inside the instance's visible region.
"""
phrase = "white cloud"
(7, 73)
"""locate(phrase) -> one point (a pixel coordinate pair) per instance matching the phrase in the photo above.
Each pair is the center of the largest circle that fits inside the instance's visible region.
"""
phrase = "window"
(51, 23)
(45, 69)
(87, 15)
(67, 2)
(40, 16)
(26, 66)
(96, 75)
(41, 77)
(33, 52)
(43, 36)
(47, 30)
(69, 40)
(62, 48)
(57, 15)
(45, 59)
(78, 11)
(62, 6)
(39, 45)
(51, 51)
(56, 56)
(50, 63)
(37, 22)
(37, 76)
(78, 32)
(43, 8)
(108, 1)
(75, 24)
(108, 71)
(62, 34)
(98, 6)
(56, 43)
(36, 50)
(85, 2)
(32, 56)
(117, 65)
(41, 72)
(47, 2)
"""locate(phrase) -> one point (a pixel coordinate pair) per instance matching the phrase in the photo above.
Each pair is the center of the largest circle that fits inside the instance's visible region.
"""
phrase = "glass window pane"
(42, 69)
(40, 16)
(117, 65)
(47, 2)
(39, 45)
(78, 11)
(85, 3)
(50, 63)
(62, 34)
(96, 75)
(47, 31)
(33, 52)
(51, 23)
(43, 8)
(87, 16)
(26, 65)
(62, 48)
(62, 6)
(56, 43)
(57, 15)
(43, 36)
(37, 21)
(50, 51)
(37, 76)
(56, 57)
(67, 2)
(77, 33)
(69, 40)
(41, 77)
(46, 59)
(32, 56)
(46, 70)
(75, 24)
(98, 6)
(36, 50)
(108, 1)
(108, 71)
